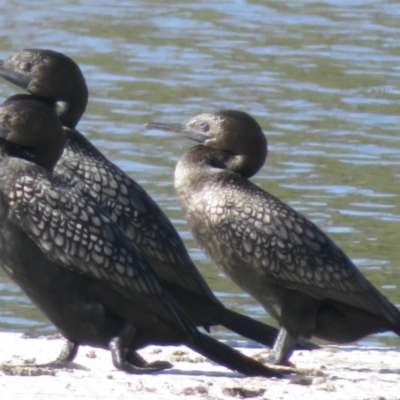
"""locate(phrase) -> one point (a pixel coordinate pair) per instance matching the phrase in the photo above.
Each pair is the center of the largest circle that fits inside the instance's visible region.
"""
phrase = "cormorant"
(58, 81)
(300, 276)
(74, 262)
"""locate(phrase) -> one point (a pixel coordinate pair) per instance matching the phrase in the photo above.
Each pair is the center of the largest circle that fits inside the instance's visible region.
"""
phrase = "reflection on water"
(320, 77)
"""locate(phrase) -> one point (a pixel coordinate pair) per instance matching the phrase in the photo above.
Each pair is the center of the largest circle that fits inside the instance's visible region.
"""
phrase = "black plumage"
(74, 262)
(301, 277)
(57, 80)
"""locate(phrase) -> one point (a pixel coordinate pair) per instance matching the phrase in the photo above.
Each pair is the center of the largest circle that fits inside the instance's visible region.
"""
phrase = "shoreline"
(332, 372)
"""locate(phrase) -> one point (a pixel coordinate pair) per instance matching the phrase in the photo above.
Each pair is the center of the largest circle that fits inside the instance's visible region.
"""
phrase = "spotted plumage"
(75, 263)
(56, 80)
(130, 207)
(286, 262)
(73, 231)
(280, 244)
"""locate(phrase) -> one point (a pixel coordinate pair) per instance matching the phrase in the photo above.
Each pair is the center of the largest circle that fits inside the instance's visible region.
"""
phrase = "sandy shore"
(331, 373)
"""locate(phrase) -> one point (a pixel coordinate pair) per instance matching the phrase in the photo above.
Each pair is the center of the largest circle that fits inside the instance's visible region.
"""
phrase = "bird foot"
(160, 364)
(272, 359)
(148, 368)
(130, 361)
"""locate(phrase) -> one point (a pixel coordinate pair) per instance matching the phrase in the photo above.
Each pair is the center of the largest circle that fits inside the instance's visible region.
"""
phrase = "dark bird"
(58, 81)
(300, 276)
(73, 261)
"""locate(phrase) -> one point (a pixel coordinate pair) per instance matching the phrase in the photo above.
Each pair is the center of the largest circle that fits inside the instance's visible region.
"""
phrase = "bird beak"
(16, 78)
(181, 129)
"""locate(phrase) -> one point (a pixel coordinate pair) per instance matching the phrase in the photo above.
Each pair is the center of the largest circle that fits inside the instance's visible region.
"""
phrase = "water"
(320, 77)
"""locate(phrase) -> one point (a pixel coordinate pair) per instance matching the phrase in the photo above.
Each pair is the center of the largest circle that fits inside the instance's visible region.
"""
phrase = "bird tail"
(229, 357)
(396, 330)
(253, 329)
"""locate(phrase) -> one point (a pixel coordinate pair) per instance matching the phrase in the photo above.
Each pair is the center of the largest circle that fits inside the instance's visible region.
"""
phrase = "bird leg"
(68, 353)
(297, 320)
(126, 359)
(283, 348)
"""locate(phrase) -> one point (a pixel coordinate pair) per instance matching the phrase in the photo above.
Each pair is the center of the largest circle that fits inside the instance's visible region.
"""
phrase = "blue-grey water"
(322, 78)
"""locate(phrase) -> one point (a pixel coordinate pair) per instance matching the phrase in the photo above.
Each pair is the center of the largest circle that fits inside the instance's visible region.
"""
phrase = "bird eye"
(25, 66)
(204, 126)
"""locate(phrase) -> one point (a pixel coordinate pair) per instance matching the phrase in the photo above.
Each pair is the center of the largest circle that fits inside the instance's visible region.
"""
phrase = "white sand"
(349, 373)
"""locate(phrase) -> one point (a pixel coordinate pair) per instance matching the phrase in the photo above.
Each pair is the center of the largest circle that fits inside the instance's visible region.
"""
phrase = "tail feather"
(228, 357)
(254, 330)
(248, 327)
(389, 310)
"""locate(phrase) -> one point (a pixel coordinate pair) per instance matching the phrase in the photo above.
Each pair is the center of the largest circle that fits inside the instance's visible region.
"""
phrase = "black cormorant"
(58, 81)
(301, 277)
(74, 262)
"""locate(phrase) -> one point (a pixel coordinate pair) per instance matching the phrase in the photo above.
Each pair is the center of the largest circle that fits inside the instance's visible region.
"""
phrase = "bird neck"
(70, 111)
(205, 159)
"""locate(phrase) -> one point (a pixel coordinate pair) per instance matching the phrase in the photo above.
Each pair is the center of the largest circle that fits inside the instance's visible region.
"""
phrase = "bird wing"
(75, 233)
(292, 251)
(133, 210)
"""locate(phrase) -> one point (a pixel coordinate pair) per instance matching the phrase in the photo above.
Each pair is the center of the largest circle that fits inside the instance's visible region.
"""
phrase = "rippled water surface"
(322, 79)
